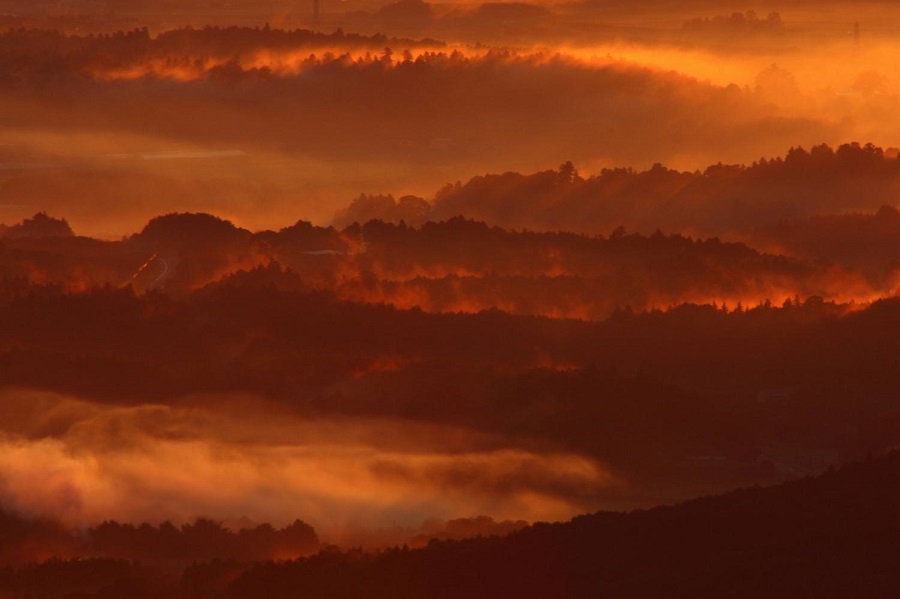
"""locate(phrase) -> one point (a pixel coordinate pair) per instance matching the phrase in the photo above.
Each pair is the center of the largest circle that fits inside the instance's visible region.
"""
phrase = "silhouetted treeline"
(24, 539)
(454, 266)
(864, 243)
(465, 528)
(736, 23)
(35, 53)
(461, 265)
(723, 198)
(204, 539)
(41, 225)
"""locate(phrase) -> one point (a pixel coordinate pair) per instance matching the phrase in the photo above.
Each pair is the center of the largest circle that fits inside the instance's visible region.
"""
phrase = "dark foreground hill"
(831, 536)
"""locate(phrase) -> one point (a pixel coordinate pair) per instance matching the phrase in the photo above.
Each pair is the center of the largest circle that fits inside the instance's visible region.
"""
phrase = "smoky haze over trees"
(720, 199)
(414, 299)
(794, 536)
(224, 119)
(321, 339)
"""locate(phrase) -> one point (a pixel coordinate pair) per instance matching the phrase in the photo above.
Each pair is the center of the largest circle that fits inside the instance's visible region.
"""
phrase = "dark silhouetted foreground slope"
(832, 536)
